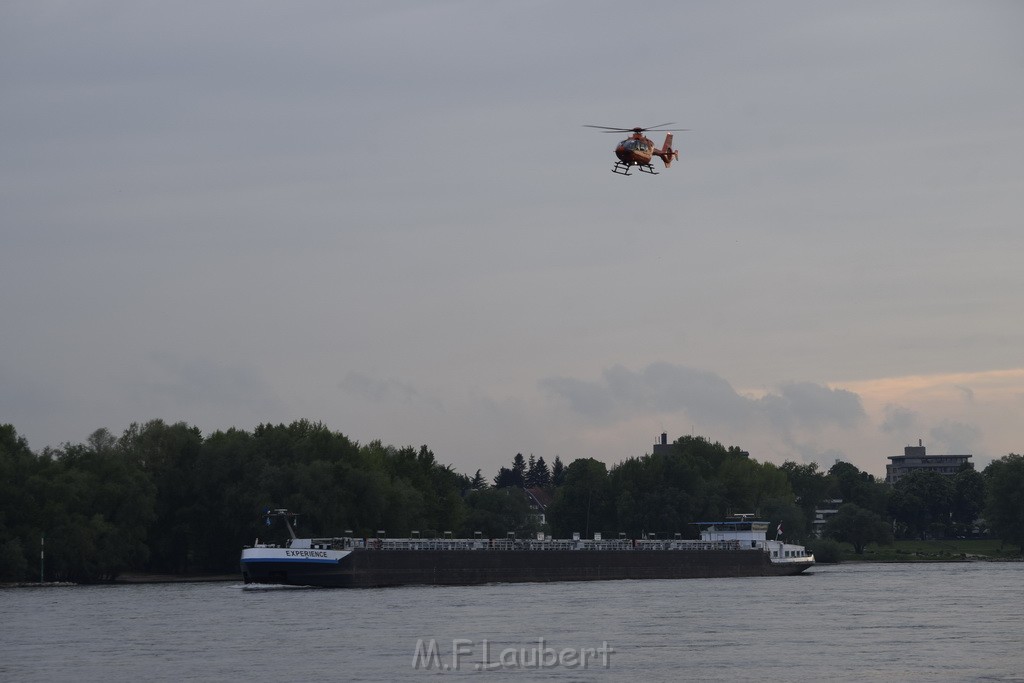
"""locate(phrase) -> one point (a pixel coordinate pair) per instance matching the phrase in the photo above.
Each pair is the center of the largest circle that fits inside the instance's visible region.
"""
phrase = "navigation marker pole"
(42, 555)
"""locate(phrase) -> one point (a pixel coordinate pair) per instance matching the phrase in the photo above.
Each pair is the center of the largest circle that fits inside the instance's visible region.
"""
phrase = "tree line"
(163, 498)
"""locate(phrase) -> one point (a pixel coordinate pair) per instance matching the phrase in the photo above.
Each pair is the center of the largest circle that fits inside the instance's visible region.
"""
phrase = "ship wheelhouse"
(749, 533)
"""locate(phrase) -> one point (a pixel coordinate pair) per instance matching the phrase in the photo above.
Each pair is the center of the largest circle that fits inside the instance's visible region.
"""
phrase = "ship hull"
(362, 568)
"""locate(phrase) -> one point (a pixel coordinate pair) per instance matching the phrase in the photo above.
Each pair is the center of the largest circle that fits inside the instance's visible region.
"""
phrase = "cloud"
(388, 390)
(991, 385)
(897, 419)
(590, 399)
(664, 388)
(667, 388)
(956, 437)
(188, 382)
(658, 388)
(813, 405)
(966, 392)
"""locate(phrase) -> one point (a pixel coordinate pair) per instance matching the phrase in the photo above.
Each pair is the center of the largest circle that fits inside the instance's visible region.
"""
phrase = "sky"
(389, 217)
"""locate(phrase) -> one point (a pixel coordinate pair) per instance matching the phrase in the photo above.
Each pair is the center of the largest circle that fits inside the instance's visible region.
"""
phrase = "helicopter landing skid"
(623, 168)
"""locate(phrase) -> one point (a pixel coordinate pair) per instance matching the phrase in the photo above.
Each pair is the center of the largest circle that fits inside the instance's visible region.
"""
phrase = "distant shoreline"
(922, 560)
(37, 584)
(131, 578)
(140, 577)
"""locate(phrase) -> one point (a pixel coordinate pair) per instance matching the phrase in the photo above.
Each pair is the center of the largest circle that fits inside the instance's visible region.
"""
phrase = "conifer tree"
(557, 472)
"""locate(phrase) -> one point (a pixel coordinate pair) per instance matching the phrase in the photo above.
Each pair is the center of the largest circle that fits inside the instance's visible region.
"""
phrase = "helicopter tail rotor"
(666, 152)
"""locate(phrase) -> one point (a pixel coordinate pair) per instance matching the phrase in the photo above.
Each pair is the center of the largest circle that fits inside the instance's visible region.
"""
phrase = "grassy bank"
(934, 551)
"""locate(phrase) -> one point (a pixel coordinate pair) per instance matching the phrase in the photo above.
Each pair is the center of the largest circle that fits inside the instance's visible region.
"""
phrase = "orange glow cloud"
(985, 387)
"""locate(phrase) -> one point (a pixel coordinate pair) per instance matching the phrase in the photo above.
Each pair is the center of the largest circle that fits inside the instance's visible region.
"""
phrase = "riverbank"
(957, 550)
(132, 578)
(140, 577)
(36, 584)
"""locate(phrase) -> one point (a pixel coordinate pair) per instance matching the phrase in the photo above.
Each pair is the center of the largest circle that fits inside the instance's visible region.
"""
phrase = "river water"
(853, 622)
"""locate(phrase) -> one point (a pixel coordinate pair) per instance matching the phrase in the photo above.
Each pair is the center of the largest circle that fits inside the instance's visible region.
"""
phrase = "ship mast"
(288, 518)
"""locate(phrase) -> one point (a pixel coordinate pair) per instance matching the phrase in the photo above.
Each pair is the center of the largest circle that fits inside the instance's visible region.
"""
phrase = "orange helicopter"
(638, 150)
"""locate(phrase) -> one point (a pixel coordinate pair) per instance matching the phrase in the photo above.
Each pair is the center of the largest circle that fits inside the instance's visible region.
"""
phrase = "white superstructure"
(751, 533)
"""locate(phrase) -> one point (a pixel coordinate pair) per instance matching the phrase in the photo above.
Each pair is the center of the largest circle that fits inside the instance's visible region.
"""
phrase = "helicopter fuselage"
(636, 150)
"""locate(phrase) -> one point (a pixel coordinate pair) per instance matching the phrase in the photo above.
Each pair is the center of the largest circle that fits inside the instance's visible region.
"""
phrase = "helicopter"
(638, 150)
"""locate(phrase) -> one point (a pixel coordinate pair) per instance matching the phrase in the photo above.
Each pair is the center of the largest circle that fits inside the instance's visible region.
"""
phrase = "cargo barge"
(737, 548)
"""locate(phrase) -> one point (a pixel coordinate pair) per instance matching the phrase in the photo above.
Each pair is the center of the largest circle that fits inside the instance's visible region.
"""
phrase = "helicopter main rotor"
(639, 129)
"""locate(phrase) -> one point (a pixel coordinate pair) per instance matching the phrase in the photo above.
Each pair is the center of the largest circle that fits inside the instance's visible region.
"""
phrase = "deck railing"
(347, 543)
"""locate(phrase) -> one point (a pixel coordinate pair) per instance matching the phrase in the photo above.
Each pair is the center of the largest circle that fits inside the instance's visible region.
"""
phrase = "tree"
(530, 477)
(783, 511)
(825, 550)
(168, 454)
(748, 484)
(908, 513)
(537, 473)
(853, 486)
(585, 502)
(1004, 510)
(519, 470)
(504, 478)
(810, 486)
(477, 482)
(101, 507)
(557, 472)
(13, 565)
(655, 494)
(514, 476)
(968, 498)
(495, 512)
(23, 496)
(858, 526)
(921, 503)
